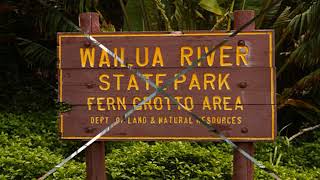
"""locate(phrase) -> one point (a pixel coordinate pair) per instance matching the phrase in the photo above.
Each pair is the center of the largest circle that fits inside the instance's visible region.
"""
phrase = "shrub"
(299, 160)
(19, 161)
(29, 147)
(289, 173)
(168, 160)
(40, 129)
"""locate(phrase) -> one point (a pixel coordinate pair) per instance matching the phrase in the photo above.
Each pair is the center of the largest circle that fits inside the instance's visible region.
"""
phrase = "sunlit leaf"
(199, 14)
(302, 104)
(211, 6)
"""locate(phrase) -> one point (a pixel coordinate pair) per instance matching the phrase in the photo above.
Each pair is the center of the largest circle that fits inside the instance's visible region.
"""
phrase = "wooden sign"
(233, 88)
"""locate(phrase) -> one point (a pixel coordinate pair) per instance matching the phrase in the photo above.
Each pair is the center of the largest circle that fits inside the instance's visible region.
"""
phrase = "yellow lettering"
(147, 76)
(132, 83)
(104, 59)
(178, 98)
(241, 53)
(136, 101)
(233, 120)
(118, 77)
(110, 103)
(226, 101)
(158, 81)
(223, 56)
(147, 104)
(210, 58)
(103, 78)
(157, 103)
(179, 81)
(216, 102)
(146, 57)
(99, 103)
(206, 104)
(188, 103)
(87, 54)
(121, 102)
(223, 81)
(238, 104)
(207, 81)
(157, 58)
(115, 51)
(239, 120)
(194, 82)
(199, 55)
(185, 56)
(168, 103)
(223, 120)
(89, 102)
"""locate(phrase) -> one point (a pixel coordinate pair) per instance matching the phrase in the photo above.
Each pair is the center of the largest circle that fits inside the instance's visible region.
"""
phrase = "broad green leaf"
(211, 6)
(135, 16)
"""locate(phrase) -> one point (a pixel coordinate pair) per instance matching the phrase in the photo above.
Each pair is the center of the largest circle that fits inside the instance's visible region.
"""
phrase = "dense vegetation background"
(29, 143)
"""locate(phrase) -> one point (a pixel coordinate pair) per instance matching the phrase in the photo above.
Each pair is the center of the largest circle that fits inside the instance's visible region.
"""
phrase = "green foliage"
(172, 160)
(29, 144)
(183, 160)
(212, 6)
(133, 16)
(37, 130)
(297, 160)
(36, 54)
(289, 173)
(22, 159)
(29, 147)
(266, 19)
(176, 15)
(51, 21)
(297, 59)
(79, 6)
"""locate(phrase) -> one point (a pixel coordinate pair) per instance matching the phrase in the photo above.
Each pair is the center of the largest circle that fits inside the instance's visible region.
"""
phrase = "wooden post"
(95, 159)
(242, 167)
(95, 153)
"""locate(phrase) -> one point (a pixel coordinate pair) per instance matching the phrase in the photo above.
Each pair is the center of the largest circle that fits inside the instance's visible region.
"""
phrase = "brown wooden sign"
(233, 88)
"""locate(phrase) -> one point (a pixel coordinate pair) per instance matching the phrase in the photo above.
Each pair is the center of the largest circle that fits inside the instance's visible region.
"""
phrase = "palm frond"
(307, 21)
(310, 116)
(283, 19)
(79, 6)
(51, 21)
(307, 53)
(298, 103)
(310, 81)
(35, 54)
(306, 87)
(267, 18)
(304, 30)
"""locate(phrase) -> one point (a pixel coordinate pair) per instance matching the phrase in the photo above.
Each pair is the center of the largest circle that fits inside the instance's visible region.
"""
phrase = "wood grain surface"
(233, 89)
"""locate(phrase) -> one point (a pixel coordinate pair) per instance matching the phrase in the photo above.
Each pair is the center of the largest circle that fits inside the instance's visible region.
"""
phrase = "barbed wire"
(161, 90)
